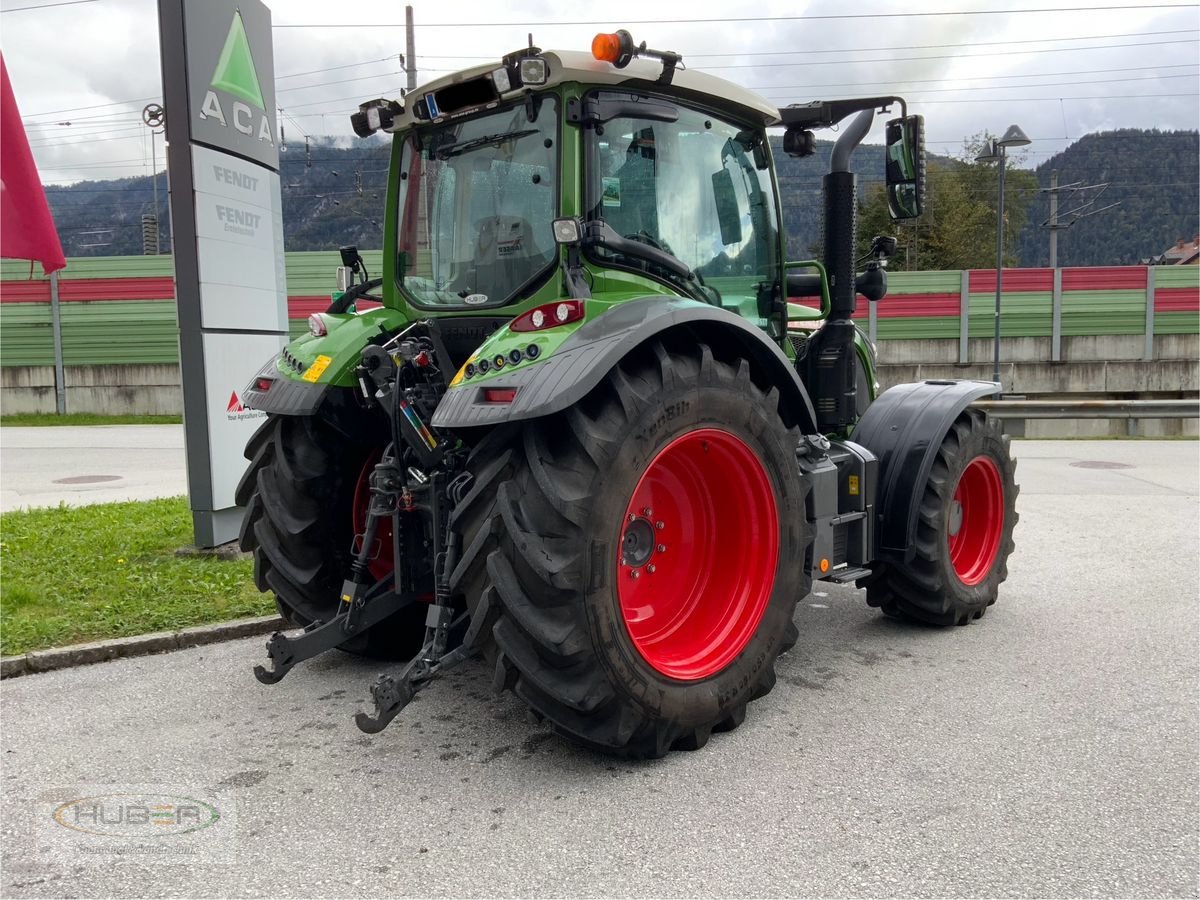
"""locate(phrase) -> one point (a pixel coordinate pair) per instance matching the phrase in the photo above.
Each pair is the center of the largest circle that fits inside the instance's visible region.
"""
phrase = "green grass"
(78, 574)
(21, 419)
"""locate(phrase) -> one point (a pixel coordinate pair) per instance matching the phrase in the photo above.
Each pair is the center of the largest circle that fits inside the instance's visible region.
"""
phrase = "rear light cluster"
(549, 316)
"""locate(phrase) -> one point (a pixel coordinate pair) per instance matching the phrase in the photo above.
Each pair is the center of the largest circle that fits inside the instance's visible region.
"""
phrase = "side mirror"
(728, 216)
(906, 167)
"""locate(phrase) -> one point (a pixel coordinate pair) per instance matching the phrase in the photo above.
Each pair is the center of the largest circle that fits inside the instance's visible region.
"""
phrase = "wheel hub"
(638, 544)
(956, 517)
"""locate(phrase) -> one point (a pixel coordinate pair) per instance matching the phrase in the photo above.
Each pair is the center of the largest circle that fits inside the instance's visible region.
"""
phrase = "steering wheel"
(645, 237)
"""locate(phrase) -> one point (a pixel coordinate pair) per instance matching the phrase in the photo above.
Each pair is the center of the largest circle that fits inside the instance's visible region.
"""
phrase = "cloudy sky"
(1059, 74)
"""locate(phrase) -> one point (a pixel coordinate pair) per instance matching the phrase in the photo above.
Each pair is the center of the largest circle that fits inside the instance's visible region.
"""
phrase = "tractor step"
(847, 576)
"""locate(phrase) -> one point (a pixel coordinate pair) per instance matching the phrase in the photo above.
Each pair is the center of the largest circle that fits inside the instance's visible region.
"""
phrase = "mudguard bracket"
(904, 428)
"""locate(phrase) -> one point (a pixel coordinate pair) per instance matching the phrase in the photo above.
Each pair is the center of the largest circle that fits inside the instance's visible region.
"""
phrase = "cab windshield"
(476, 201)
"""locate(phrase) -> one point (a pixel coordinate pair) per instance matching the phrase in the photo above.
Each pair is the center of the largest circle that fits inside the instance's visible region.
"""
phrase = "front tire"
(638, 557)
(964, 531)
(300, 494)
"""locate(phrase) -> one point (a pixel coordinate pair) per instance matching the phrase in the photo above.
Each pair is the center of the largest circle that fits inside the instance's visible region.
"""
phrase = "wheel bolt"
(647, 512)
(650, 568)
(659, 526)
(635, 574)
(662, 548)
(632, 517)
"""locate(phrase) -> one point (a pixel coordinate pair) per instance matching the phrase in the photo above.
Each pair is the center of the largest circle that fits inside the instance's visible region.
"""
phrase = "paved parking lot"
(84, 464)
(1050, 749)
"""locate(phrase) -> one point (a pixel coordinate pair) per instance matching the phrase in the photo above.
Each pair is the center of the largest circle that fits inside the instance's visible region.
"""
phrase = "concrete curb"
(140, 645)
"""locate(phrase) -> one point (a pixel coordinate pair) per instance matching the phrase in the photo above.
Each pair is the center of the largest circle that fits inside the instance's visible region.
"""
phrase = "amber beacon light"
(617, 48)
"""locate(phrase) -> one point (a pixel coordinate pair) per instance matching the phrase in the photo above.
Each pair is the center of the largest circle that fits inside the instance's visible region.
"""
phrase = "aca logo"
(235, 75)
(237, 411)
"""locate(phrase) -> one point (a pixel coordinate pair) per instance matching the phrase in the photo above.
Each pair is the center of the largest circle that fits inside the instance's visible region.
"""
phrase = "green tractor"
(586, 436)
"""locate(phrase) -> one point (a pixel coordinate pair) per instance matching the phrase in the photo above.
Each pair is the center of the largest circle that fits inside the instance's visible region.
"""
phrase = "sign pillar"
(227, 215)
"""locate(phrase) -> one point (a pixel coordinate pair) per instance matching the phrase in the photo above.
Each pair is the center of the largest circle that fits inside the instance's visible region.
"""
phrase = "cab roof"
(566, 66)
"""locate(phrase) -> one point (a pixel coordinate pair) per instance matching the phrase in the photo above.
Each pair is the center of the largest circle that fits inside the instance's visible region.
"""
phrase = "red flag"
(26, 228)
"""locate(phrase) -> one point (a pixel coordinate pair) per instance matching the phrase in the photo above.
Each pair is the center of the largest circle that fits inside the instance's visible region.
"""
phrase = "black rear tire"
(541, 529)
(298, 494)
(931, 590)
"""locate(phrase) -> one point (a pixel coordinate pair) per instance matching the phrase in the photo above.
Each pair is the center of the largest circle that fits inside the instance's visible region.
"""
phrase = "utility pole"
(410, 48)
(1085, 208)
(1053, 221)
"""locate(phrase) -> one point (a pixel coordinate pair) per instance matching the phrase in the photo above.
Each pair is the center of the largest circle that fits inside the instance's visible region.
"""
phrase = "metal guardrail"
(1091, 409)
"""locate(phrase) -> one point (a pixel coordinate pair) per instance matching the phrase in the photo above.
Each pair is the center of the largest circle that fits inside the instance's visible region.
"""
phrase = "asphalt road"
(84, 464)
(1050, 749)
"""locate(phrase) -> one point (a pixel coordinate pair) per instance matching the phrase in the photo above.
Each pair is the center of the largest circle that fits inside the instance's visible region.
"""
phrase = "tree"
(958, 227)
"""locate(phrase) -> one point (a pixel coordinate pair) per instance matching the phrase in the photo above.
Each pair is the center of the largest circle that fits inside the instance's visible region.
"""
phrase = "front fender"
(581, 361)
(904, 428)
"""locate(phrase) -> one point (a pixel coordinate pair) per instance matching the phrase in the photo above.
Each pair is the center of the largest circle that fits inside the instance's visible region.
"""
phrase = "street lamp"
(997, 153)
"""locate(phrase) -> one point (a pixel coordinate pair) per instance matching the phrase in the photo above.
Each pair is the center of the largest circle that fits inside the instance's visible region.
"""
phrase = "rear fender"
(583, 359)
(310, 367)
(904, 428)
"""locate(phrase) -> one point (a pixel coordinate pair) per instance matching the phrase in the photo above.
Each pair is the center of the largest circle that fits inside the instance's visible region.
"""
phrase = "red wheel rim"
(380, 565)
(699, 547)
(976, 520)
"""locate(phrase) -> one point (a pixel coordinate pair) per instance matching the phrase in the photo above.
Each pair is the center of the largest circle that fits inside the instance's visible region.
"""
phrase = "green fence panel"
(1104, 312)
(314, 274)
(1176, 323)
(1177, 276)
(26, 338)
(915, 328)
(111, 333)
(924, 282)
(1023, 314)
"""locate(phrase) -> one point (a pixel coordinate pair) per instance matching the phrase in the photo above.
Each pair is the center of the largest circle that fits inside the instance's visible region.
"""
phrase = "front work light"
(533, 70)
(375, 115)
(501, 80)
(566, 231)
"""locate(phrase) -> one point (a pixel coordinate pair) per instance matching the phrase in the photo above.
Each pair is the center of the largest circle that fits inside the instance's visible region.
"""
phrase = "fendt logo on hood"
(235, 75)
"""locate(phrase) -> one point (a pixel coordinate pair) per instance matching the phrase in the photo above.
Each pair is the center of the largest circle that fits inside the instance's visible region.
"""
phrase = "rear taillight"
(549, 316)
(499, 395)
(263, 384)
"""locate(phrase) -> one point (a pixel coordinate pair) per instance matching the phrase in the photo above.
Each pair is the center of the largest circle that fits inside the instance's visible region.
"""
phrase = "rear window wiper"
(448, 150)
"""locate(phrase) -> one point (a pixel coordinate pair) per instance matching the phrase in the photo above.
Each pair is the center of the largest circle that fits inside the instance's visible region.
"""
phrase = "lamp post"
(997, 153)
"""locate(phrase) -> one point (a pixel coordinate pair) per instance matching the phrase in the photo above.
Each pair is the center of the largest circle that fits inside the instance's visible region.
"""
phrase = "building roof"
(1183, 253)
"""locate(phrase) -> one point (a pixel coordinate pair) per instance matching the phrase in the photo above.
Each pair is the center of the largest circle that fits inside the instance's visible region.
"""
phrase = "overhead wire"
(805, 17)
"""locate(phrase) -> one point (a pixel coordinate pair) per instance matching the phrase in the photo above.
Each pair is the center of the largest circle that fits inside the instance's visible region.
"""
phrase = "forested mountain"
(1152, 175)
(334, 196)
